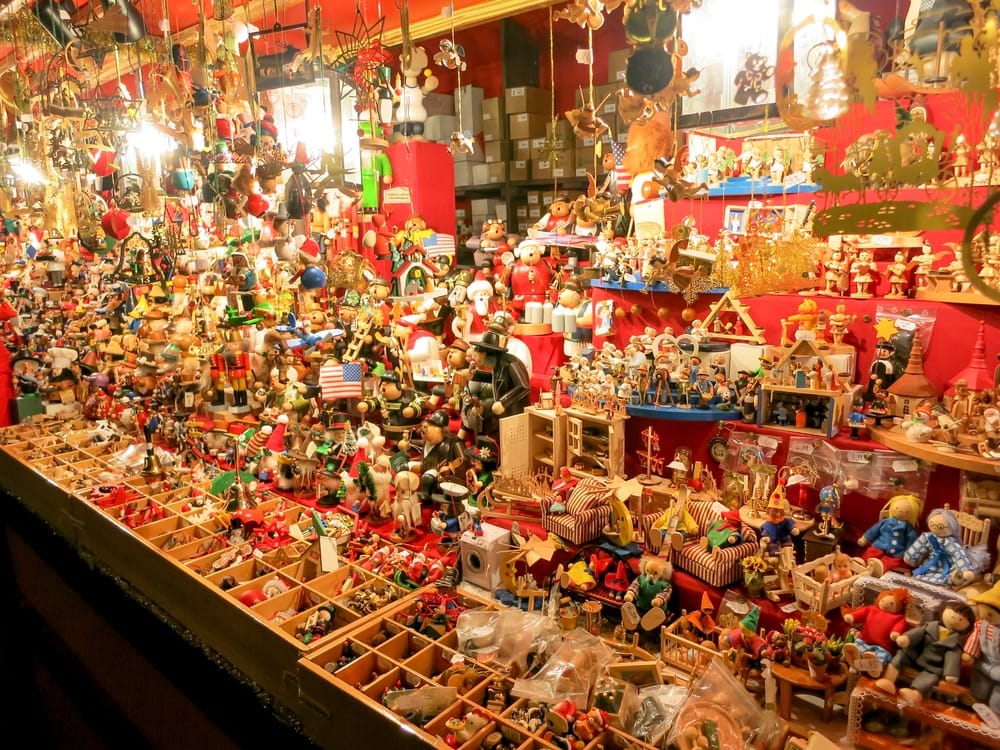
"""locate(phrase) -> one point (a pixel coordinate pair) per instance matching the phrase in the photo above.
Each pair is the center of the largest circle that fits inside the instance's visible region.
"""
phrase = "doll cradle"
(823, 596)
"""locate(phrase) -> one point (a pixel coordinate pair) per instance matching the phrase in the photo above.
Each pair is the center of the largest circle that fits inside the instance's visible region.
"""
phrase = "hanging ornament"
(222, 9)
(829, 96)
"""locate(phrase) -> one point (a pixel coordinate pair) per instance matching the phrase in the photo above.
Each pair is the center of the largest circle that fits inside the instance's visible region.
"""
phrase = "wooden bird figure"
(585, 122)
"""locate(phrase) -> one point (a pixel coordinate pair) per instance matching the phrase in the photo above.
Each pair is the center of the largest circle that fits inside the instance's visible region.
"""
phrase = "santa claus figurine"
(471, 324)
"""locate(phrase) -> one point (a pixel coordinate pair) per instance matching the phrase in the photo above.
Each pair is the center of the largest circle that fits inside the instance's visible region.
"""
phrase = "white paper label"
(859, 457)
(805, 448)
(885, 240)
(329, 560)
(766, 441)
(396, 195)
(903, 466)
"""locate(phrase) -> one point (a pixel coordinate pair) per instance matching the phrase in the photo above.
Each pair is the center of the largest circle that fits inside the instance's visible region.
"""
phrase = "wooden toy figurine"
(937, 555)
(933, 649)
(982, 648)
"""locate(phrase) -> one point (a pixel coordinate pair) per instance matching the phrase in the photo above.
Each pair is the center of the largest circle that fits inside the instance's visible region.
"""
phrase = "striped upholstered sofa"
(587, 513)
(721, 567)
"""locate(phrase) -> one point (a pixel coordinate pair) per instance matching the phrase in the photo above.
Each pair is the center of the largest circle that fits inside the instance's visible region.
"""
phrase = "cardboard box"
(480, 176)
(521, 149)
(521, 99)
(500, 212)
(471, 100)
(519, 170)
(560, 129)
(463, 173)
(617, 64)
(541, 170)
(537, 149)
(496, 151)
(438, 128)
(534, 213)
(496, 172)
(484, 206)
(439, 104)
(521, 211)
(493, 130)
(533, 197)
(491, 108)
(475, 156)
(526, 125)
(583, 156)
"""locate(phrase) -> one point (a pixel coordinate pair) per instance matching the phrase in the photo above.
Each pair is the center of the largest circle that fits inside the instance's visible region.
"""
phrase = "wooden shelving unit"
(891, 437)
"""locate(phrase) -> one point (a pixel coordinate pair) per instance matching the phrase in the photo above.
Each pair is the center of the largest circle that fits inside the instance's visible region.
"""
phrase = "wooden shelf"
(970, 297)
(892, 438)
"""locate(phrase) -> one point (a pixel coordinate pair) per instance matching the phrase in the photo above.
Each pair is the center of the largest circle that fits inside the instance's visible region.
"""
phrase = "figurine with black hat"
(883, 371)
(399, 407)
(499, 386)
(442, 456)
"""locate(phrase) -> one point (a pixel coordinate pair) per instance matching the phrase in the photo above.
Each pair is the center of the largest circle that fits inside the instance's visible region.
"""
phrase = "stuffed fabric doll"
(983, 647)
(891, 536)
(880, 624)
(937, 556)
(933, 649)
(726, 531)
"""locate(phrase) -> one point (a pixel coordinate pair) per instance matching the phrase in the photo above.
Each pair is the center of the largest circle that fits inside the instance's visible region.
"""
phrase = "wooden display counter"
(945, 719)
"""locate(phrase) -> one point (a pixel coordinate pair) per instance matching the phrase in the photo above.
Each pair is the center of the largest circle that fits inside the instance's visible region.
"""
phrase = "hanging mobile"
(718, 446)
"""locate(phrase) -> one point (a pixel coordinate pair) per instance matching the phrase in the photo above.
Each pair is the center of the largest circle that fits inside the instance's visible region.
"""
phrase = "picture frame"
(735, 219)
(639, 673)
(604, 317)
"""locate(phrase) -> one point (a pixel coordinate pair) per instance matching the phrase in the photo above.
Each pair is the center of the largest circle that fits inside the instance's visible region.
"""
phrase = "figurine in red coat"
(530, 277)
(880, 624)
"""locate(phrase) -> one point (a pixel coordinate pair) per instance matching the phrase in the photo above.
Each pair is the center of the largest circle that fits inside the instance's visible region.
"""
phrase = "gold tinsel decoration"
(769, 263)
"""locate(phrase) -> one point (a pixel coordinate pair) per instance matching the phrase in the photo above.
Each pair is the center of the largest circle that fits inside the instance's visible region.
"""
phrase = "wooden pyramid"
(728, 303)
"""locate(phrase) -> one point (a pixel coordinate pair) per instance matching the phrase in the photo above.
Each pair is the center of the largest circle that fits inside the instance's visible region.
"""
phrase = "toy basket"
(824, 596)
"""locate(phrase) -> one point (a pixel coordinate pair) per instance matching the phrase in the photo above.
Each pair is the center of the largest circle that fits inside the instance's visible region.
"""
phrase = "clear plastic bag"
(516, 639)
(719, 708)
(571, 672)
(657, 707)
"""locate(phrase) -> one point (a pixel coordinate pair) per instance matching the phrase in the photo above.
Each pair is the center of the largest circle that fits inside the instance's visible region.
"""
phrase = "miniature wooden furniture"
(799, 678)
(827, 595)
(587, 512)
(721, 566)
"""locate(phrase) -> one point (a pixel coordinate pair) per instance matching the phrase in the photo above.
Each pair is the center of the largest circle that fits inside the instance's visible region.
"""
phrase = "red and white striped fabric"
(440, 244)
(340, 381)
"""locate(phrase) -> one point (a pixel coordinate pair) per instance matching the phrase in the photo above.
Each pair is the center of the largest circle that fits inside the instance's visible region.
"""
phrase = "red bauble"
(115, 223)
(688, 314)
(256, 204)
(663, 313)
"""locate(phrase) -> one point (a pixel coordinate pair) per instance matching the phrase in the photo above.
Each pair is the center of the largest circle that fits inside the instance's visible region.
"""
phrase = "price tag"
(859, 457)
(795, 178)
(790, 608)
(766, 441)
(885, 240)
(904, 466)
(805, 448)
(328, 558)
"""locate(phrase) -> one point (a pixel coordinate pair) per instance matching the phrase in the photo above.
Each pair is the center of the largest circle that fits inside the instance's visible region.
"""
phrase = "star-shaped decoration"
(885, 328)
(361, 45)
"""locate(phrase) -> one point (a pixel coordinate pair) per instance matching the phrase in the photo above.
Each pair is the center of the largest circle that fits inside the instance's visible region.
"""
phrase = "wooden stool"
(799, 677)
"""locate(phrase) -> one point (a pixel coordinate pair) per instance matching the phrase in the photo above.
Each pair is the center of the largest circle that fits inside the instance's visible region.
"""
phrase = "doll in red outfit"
(880, 624)
(559, 218)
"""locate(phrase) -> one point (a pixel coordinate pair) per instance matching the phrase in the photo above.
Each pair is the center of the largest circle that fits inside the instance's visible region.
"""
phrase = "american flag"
(340, 381)
(440, 244)
(623, 177)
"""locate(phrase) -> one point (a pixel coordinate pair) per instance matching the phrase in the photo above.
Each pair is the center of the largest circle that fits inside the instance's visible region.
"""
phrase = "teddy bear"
(880, 624)
(648, 595)
(777, 649)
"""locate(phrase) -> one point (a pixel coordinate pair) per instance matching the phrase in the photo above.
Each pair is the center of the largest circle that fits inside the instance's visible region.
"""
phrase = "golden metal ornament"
(891, 216)
(587, 14)
(792, 106)
(769, 263)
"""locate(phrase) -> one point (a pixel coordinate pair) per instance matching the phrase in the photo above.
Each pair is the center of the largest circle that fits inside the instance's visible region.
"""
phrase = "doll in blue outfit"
(938, 555)
(893, 534)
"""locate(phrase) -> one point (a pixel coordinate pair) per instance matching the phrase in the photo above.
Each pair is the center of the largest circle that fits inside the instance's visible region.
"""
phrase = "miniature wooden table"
(789, 677)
